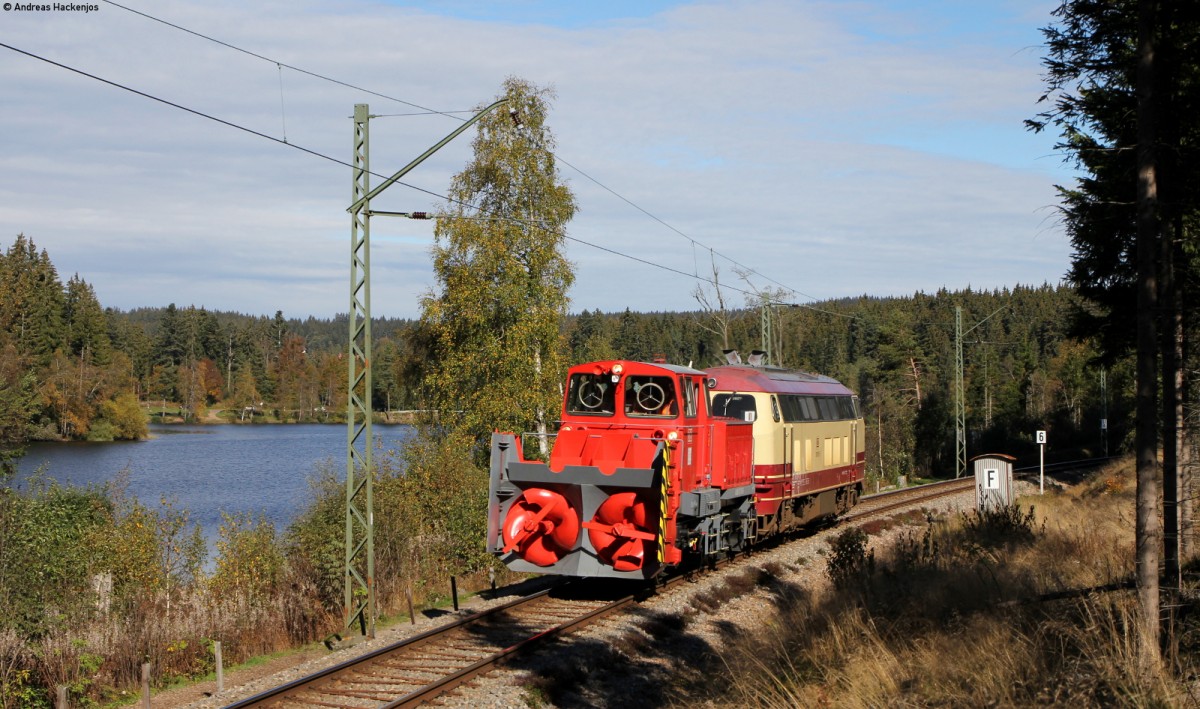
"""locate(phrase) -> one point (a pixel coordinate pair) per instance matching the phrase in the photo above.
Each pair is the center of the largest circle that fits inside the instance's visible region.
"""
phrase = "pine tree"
(170, 346)
(1123, 79)
(87, 325)
(590, 340)
(31, 301)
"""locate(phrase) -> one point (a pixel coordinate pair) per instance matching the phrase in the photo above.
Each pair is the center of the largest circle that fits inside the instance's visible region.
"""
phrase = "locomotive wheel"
(542, 526)
(620, 531)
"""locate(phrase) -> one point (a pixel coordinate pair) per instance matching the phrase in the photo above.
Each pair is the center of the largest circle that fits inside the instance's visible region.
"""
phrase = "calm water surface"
(208, 470)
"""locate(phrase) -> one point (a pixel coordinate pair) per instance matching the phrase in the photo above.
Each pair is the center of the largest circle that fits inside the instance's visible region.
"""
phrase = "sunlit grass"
(974, 611)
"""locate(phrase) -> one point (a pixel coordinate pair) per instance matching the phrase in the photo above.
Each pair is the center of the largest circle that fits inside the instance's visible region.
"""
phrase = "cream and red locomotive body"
(654, 464)
(809, 441)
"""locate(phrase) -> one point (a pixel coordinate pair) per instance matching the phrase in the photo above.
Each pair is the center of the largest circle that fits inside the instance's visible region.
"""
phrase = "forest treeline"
(72, 369)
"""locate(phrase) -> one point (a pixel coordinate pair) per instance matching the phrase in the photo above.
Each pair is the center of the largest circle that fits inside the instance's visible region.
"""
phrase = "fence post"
(220, 667)
(146, 685)
(454, 591)
(412, 615)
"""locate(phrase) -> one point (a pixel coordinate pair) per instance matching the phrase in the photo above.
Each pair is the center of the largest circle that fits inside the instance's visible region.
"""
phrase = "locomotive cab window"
(591, 395)
(650, 396)
(735, 406)
(691, 396)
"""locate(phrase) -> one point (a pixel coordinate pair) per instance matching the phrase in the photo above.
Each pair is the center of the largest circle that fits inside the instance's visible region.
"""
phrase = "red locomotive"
(656, 463)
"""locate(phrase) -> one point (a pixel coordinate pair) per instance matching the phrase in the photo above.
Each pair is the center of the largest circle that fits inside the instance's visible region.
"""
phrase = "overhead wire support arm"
(358, 204)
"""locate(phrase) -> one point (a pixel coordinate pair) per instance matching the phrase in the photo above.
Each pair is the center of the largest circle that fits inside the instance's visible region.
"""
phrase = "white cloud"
(833, 148)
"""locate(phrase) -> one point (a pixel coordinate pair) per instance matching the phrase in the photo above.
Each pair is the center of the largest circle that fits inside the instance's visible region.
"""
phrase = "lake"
(208, 470)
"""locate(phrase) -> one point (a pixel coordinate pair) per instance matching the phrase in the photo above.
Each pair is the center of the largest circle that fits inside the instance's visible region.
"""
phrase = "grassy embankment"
(1029, 607)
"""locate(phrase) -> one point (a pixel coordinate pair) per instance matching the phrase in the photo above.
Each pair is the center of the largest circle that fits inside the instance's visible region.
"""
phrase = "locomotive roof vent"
(756, 358)
(732, 357)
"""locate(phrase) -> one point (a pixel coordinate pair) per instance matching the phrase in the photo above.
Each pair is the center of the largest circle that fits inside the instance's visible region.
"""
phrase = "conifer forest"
(76, 370)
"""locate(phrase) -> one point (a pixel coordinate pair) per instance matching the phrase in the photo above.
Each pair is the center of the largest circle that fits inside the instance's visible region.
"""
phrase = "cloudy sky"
(835, 148)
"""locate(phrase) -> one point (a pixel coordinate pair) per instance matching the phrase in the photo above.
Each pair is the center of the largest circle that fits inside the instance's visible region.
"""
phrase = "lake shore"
(231, 416)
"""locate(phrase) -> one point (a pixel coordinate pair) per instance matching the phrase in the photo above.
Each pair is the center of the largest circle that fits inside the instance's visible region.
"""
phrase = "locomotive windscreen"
(591, 395)
(734, 406)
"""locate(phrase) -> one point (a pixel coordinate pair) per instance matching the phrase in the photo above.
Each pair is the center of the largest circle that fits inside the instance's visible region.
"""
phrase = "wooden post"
(454, 591)
(412, 615)
(146, 685)
(61, 703)
(492, 579)
(220, 667)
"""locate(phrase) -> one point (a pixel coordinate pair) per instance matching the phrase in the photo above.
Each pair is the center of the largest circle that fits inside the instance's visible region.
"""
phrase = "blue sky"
(836, 148)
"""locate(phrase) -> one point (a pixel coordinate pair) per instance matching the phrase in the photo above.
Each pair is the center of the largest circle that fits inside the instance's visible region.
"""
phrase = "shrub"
(249, 561)
(849, 558)
(124, 418)
(1000, 525)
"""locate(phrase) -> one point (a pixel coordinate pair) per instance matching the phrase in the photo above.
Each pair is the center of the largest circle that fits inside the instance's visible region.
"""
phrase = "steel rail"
(345, 667)
(449, 682)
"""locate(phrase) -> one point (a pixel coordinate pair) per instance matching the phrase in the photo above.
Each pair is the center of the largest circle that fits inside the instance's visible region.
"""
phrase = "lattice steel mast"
(359, 596)
(359, 592)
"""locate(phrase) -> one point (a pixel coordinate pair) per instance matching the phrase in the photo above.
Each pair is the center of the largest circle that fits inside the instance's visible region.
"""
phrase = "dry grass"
(959, 614)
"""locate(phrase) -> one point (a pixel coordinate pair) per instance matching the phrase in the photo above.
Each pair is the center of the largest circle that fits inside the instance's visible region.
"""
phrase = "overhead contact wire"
(449, 114)
(210, 117)
(268, 59)
(323, 156)
(343, 163)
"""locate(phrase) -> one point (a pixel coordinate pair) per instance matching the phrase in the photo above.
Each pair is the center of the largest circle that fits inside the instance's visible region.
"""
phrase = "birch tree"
(495, 317)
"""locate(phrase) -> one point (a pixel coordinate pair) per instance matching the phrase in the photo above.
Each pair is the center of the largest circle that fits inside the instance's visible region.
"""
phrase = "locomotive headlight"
(617, 369)
(673, 436)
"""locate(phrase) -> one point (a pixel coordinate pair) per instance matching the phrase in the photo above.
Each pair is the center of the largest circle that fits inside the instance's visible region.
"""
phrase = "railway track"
(418, 669)
(884, 502)
(414, 670)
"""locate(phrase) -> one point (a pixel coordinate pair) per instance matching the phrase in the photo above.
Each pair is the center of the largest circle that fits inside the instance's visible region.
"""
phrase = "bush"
(124, 418)
(249, 561)
(1000, 525)
(46, 560)
(849, 558)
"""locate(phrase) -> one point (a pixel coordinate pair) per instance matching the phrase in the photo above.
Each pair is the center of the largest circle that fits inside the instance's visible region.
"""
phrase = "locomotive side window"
(829, 410)
(734, 406)
(848, 407)
(798, 409)
(690, 396)
(809, 405)
(591, 395)
(650, 396)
